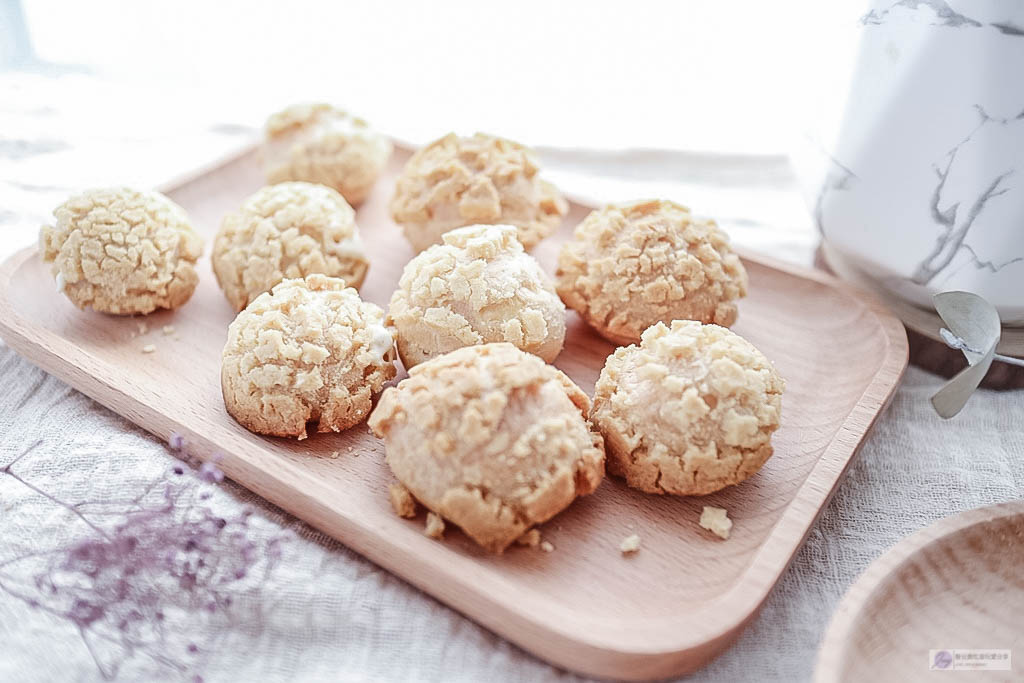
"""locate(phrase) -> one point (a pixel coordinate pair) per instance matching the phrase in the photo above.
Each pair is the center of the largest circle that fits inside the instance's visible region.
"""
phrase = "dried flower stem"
(6, 469)
(169, 559)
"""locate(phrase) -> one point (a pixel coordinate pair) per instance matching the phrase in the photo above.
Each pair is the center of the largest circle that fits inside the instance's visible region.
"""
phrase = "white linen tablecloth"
(323, 612)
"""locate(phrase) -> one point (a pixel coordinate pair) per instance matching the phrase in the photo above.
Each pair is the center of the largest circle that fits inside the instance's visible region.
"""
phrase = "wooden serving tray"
(955, 584)
(664, 611)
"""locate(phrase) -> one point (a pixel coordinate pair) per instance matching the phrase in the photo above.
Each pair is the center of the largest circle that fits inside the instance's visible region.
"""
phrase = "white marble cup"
(922, 187)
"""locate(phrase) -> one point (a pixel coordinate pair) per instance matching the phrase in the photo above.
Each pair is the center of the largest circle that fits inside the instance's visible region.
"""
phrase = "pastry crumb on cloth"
(490, 438)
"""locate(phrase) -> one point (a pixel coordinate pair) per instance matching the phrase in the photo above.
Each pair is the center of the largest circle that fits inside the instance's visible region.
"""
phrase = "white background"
(136, 93)
(735, 76)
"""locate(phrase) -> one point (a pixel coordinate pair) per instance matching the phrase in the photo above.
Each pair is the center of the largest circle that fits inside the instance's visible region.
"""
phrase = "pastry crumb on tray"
(531, 538)
(434, 526)
(716, 520)
(401, 500)
(630, 544)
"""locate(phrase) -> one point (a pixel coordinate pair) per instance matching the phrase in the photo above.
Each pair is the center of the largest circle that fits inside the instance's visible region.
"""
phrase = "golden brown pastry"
(289, 230)
(477, 287)
(309, 351)
(490, 438)
(322, 144)
(457, 181)
(630, 266)
(122, 251)
(689, 411)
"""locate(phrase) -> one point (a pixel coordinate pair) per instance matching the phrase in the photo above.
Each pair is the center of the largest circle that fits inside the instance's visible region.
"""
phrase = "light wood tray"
(958, 584)
(667, 610)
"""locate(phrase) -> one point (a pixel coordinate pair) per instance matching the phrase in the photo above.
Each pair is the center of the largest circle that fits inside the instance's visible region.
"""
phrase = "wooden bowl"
(958, 584)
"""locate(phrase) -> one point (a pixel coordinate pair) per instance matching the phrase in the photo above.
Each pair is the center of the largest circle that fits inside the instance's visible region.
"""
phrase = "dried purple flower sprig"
(166, 559)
